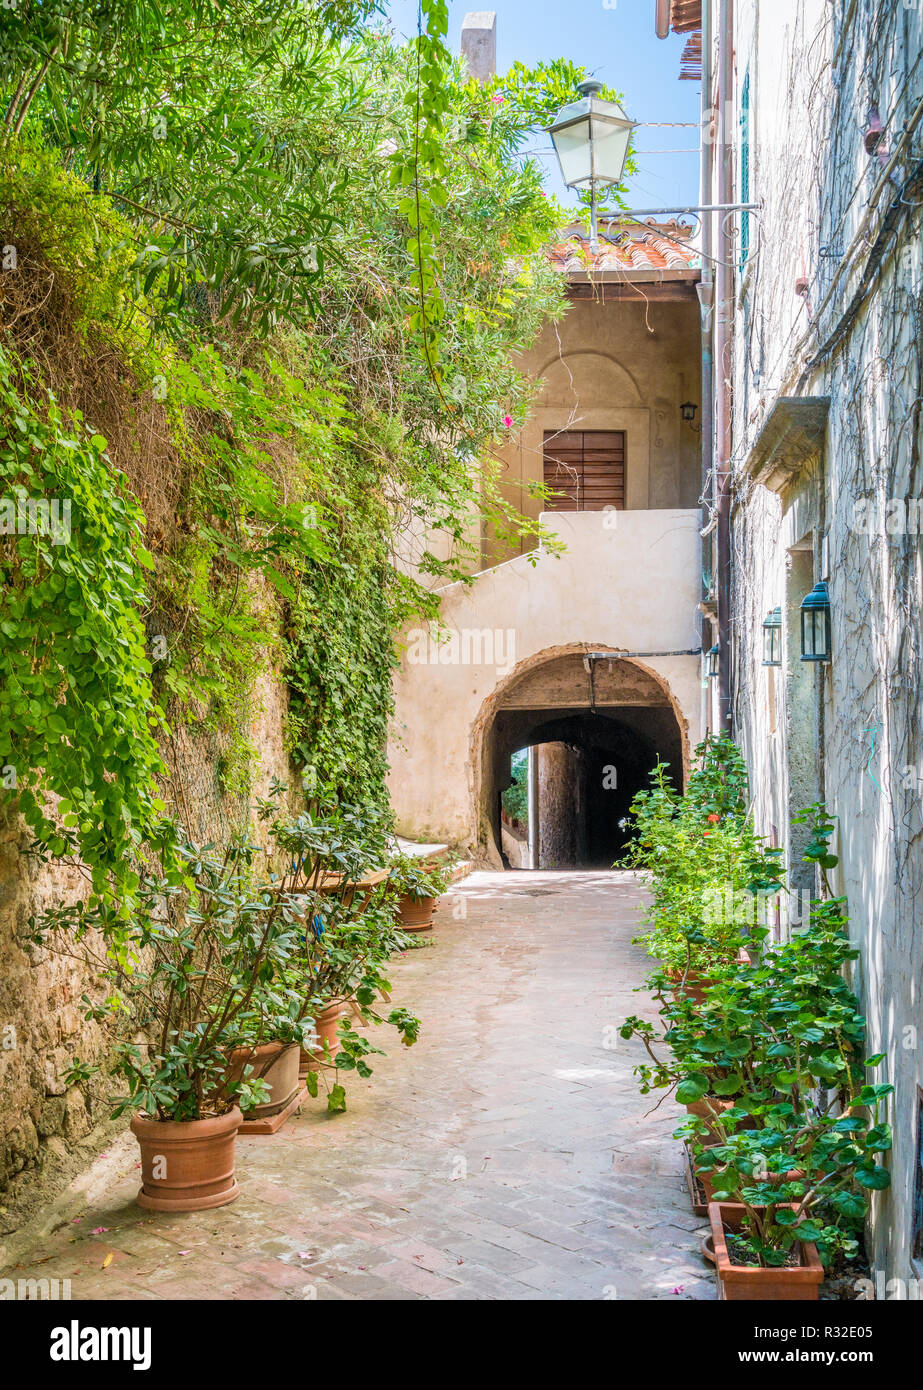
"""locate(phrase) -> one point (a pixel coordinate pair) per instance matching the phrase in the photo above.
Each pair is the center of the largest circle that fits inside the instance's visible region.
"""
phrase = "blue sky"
(616, 42)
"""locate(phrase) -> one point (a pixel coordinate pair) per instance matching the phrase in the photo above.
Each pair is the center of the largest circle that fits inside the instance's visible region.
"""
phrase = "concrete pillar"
(479, 44)
(560, 801)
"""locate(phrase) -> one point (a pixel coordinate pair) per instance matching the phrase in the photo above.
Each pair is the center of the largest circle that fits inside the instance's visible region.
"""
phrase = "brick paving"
(508, 1155)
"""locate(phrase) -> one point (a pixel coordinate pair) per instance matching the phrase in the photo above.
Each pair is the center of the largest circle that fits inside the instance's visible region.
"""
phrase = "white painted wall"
(627, 580)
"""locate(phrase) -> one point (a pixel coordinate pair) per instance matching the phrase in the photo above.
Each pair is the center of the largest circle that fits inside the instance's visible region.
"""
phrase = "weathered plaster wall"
(852, 731)
(621, 365)
(627, 580)
(47, 1128)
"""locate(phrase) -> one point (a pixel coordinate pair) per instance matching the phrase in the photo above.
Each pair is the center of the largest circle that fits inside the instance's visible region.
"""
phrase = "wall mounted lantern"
(591, 139)
(711, 662)
(815, 624)
(688, 409)
(772, 638)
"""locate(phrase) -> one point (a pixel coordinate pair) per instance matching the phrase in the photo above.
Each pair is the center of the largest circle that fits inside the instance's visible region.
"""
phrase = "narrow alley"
(507, 1156)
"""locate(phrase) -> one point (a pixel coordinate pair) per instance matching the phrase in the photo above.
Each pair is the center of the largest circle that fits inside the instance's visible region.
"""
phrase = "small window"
(585, 470)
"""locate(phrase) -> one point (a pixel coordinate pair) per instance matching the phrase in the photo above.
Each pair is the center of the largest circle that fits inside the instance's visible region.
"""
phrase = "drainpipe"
(724, 310)
(706, 301)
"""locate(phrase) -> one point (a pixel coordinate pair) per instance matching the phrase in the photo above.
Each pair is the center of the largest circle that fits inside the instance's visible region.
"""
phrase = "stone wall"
(830, 308)
(47, 1128)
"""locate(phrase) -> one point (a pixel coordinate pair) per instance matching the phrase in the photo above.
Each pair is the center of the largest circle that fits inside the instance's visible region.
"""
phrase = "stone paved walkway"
(508, 1155)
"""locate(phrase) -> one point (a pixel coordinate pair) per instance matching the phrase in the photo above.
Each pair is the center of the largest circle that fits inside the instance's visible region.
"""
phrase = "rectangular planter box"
(751, 1283)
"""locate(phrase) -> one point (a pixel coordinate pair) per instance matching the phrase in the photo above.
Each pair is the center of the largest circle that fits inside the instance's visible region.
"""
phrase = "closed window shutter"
(585, 469)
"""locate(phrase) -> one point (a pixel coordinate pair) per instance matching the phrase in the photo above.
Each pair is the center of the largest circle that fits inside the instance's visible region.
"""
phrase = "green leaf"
(875, 1178)
(692, 1089)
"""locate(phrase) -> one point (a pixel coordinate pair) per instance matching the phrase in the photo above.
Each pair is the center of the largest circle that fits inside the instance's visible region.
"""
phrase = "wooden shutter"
(586, 469)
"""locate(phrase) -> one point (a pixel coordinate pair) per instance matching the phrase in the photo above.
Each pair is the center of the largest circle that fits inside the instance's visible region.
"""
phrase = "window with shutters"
(585, 470)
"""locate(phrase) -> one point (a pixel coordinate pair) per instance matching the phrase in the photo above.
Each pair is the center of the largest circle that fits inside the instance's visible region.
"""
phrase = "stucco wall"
(627, 580)
(620, 365)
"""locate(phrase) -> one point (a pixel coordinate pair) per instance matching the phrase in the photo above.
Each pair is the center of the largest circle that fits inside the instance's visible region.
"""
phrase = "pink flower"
(99, 1230)
(497, 98)
(678, 1289)
(507, 420)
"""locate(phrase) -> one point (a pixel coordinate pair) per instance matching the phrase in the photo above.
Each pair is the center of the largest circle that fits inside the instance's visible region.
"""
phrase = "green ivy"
(77, 715)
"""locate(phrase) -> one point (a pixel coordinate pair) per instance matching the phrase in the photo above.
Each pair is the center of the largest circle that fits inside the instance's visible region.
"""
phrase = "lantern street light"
(772, 638)
(591, 139)
(815, 624)
(711, 662)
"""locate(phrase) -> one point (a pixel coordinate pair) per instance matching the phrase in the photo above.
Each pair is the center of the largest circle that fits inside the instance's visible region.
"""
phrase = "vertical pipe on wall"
(707, 303)
(724, 311)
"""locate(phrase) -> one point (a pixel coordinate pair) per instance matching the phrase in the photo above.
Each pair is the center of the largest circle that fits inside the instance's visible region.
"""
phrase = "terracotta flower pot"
(709, 1107)
(325, 1026)
(696, 985)
(752, 1283)
(187, 1165)
(275, 1063)
(701, 1183)
(417, 913)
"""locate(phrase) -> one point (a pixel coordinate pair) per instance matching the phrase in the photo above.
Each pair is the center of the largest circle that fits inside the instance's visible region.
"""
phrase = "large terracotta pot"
(187, 1165)
(701, 1183)
(417, 913)
(752, 1283)
(710, 1107)
(695, 986)
(275, 1063)
(325, 1026)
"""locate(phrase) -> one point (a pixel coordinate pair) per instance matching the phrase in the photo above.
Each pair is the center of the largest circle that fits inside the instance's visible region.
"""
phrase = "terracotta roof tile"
(626, 247)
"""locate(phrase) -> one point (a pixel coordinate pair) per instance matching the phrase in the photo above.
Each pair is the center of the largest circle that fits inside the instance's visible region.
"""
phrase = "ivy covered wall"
(247, 418)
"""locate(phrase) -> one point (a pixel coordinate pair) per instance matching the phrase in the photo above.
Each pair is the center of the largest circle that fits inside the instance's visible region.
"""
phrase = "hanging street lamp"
(772, 638)
(591, 139)
(711, 662)
(815, 624)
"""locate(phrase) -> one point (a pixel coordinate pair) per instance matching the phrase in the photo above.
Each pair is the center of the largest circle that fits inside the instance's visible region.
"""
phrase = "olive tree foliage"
(207, 122)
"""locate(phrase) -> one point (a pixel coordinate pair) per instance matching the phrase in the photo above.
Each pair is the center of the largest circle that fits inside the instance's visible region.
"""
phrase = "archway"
(597, 723)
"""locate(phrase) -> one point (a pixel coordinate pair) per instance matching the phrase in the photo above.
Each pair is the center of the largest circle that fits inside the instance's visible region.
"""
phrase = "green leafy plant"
(413, 877)
(204, 975)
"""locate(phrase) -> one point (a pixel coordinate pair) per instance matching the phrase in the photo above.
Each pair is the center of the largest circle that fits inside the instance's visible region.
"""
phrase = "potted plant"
(193, 976)
(417, 885)
(347, 937)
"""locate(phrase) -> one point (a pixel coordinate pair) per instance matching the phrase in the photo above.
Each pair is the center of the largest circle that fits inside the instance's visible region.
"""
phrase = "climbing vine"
(273, 399)
(77, 717)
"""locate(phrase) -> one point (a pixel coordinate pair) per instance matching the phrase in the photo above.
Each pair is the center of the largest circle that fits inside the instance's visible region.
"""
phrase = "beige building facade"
(591, 643)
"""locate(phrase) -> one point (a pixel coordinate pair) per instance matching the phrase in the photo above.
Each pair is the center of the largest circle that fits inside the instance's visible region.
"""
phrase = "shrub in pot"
(333, 886)
(791, 1196)
(417, 885)
(700, 849)
(198, 968)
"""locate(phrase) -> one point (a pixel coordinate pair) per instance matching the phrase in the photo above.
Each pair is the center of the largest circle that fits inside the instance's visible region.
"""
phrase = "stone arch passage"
(599, 727)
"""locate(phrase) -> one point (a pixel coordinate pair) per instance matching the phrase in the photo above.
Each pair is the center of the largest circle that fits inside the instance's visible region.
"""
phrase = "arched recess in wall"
(552, 696)
(594, 376)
